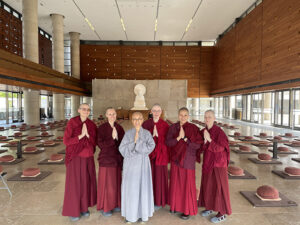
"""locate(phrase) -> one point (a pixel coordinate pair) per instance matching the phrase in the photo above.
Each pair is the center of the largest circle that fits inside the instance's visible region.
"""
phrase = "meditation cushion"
(292, 170)
(263, 134)
(23, 124)
(30, 138)
(6, 158)
(30, 149)
(60, 138)
(248, 137)
(264, 156)
(3, 137)
(296, 143)
(45, 133)
(263, 143)
(226, 125)
(18, 134)
(277, 137)
(14, 143)
(234, 170)
(56, 157)
(237, 134)
(232, 143)
(43, 128)
(244, 148)
(231, 127)
(288, 134)
(13, 126)
(1, 128)
(22, 128)
(49, 142)
(30, 172)
(283, 149)
(267, 192)
(32, 126)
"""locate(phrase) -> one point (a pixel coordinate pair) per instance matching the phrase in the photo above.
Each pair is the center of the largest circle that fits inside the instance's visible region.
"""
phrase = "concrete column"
(75, 54)
(75, 102)
(195, 106)
(31, 107)
(59, 106)
(58, 42)
(30, 30)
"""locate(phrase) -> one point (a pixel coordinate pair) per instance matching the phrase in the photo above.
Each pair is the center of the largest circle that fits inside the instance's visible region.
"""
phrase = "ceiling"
(212, 18)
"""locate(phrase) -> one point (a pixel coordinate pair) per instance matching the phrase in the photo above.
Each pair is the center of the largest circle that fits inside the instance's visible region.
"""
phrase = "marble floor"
(41, 202)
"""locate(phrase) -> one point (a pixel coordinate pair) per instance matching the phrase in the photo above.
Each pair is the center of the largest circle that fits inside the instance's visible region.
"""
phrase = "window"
(208, 43)
(67, 57)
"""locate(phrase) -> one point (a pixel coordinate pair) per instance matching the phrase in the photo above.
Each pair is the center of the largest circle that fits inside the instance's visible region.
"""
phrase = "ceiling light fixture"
(191, 20)
(89, 23)
(122, 21)
(156, 18)
(155, 27)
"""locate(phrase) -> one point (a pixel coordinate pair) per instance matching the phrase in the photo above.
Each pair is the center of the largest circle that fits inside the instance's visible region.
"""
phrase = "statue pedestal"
(145, 113)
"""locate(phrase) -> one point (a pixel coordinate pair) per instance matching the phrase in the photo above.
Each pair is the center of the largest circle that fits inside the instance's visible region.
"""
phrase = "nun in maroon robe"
(184, 139)
(109, 137)
(159, 158)
(80, 187)
(214, 190)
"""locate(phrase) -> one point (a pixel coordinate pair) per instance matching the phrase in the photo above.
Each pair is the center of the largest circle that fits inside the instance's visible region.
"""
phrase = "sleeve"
(216, 146)
(127, 146)
(146, 144)
(103, 142)
(68, 138)
(170, 140)
(195, 142)
(121, 133)
(93, 136)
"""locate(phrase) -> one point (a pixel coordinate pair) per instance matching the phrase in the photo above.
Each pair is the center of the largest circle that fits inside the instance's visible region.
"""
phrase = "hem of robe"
(160, 184)
(80, 186)
(214, 191)
(183, 197)
(109, 188)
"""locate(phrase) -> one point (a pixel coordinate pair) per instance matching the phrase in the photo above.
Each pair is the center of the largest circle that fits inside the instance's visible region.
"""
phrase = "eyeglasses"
(85, 109)
(156, 111)
(137, 119)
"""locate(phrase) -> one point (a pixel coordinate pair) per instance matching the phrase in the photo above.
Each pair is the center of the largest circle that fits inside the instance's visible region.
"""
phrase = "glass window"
(257, 107)
(207, 43)
(268, 108)
(232, 110)
(2, 107)
(7, 8)
(15, 14)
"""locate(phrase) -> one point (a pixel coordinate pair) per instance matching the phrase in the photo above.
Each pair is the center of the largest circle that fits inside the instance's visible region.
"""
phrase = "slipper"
(206, 212)
(218, 219)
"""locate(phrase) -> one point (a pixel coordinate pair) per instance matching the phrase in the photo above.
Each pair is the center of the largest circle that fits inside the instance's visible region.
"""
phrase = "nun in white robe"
(136, 191)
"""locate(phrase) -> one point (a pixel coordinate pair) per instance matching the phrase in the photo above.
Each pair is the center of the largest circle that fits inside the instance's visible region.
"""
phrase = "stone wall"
(171, 94)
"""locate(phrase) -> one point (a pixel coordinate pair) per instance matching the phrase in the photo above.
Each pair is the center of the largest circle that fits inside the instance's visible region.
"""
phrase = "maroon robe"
(159, 160)
(110, 168)
(183, 196)
(214, 190)
(80, 188)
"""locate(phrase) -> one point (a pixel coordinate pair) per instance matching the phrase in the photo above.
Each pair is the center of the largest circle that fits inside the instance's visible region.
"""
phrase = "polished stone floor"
(41, 202)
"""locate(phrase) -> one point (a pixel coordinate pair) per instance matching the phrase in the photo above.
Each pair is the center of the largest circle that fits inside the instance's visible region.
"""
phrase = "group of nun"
(133, 176)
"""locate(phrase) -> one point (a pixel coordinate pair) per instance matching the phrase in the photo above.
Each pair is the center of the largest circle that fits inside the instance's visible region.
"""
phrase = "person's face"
(183, 116)
(84, 111)
(137, 120)
(111, 115)
(156, 112)
(209, 119)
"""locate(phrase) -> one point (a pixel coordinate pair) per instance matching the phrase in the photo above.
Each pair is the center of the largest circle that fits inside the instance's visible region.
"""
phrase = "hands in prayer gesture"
(155, 133)
(136, 136)
(84, 132)
(181, 134)
(206, 136)
(115, 133)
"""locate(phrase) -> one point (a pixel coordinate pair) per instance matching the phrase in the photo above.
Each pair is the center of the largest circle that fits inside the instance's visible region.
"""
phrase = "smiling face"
(84, 110)
(156, 112)
(183, 116)
(209, 118)
(111, 115)
(137, 120)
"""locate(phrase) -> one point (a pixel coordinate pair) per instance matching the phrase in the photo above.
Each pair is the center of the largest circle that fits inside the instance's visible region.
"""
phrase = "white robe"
(136, 191)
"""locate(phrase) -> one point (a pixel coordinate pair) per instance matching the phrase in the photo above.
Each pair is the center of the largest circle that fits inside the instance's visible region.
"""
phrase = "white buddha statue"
(139, 103)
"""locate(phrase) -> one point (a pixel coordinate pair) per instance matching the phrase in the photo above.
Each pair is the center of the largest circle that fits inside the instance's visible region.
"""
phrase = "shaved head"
(83, 104)
(210, 111)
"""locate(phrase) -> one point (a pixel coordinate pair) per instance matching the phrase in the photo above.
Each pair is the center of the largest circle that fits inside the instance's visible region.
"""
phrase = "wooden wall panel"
(150, 62)
(45, 51)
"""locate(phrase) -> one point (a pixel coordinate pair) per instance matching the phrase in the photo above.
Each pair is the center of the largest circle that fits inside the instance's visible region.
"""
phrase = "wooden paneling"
(45, 51)
(264, 47)
(193, 63)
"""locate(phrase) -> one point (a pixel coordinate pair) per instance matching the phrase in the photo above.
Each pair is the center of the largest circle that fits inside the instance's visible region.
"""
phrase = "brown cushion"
(263, 143)
(267, 192)
(283, 149)
(296, 143)
(244, 148)
(23, 124)
(32, 126)
(18, 134)
(6, 158)
(30, 149)
(3, 137)
(288, 134)
(234, 170)
(15, 143)
(13, 126)
(1, 128)
(60, 138)
(29, 172)
(237, 134)
(231, 126)
(45, 133)
(263, 134)
(22, 128)
(30, 138)
(232, 142)
(49, 142)
(264, 156)
(292, 170)
(248, 137)
(56, 157)
(277, 137)
(43, 128)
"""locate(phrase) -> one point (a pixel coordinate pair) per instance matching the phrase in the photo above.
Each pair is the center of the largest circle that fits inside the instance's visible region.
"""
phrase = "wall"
(263, 48)
(171, 94)
(191, 63)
